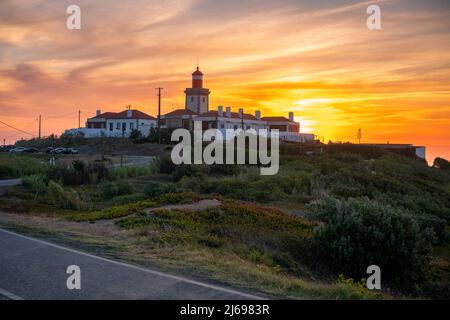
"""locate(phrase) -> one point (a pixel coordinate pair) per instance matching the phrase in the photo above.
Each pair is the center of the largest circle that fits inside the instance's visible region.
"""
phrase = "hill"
(306, 232)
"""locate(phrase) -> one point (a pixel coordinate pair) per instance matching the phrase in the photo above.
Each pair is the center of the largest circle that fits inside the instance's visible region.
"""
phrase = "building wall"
(115, 127)
(197, 102)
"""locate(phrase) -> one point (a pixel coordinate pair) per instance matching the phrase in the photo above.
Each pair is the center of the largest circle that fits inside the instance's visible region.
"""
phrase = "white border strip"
(201, 284)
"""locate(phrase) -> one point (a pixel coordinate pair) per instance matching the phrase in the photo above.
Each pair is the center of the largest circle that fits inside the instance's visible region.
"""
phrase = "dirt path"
(196, 206)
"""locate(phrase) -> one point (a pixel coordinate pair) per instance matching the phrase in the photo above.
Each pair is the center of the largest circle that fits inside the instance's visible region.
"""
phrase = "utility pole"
(79, 119)
(159, 114)
(40, 124)
(359, 135)
(4, 143)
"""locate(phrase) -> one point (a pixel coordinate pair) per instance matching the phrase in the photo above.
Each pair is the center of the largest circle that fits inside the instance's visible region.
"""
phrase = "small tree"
(135, 136)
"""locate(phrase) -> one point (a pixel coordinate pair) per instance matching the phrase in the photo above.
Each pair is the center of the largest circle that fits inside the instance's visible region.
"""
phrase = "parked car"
(62, 150)
(58, 150)
(6, 148)
(24, 150)
(30, 150)
(17, 150)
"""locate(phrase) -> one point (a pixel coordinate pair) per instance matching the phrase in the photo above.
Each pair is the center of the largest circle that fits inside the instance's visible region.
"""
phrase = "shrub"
(67, 199)
(155, 189)
(184, 171)
(36, 183)
(224, 169)
(80, 172)
(441, 163)
(166, 165)
(114, 189)
(359, 232)
(7, 171)
(136, 136)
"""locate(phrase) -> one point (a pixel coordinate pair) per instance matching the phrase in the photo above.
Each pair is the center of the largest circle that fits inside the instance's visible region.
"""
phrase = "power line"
(62, 115)
(17, 129)
(42, 117)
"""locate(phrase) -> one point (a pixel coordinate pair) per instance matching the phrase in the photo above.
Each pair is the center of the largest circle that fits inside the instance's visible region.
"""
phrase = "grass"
(17, 166)
(131, 208)
(247, 245)
(112, 213)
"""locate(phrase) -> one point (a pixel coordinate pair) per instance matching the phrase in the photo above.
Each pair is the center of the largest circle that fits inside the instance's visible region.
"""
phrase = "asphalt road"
(10, 183)
(34, 269)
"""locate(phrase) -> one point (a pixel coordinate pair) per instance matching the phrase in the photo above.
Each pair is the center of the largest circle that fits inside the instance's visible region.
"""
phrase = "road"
(35, 269)
(135, 161)
(10, 183)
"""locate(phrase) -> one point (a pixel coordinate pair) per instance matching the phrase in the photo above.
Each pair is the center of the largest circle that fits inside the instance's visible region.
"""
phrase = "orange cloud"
(316, 58)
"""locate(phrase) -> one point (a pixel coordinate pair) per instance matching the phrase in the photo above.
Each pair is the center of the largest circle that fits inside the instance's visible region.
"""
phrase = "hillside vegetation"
(307, 231)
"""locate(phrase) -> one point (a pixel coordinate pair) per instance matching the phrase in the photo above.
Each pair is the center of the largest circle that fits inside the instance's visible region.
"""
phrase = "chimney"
(291, 116)
(220, 111)
(241, 113)
(258, 114)
(99, 112)
(129, 113)
(228, 112)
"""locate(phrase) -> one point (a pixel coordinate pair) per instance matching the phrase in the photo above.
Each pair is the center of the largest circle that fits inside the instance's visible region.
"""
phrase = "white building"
(116, 124)
(197, 108)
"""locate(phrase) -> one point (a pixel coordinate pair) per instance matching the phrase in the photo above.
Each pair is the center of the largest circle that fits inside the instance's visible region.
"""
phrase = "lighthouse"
(197, 97)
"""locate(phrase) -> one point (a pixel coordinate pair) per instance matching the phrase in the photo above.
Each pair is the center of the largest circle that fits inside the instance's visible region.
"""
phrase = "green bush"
(36, 183)
(67, 199)
(155, 189)
(441, 163)
(166, 165)
(359, 232)
(185, 171)
(8, 171)
(80, 173)
(117, 188)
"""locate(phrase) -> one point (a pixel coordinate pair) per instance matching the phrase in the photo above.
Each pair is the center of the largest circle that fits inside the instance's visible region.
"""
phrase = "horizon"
(317, 59)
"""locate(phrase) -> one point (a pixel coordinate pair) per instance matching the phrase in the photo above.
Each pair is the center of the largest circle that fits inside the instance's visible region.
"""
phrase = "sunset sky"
(316, 58)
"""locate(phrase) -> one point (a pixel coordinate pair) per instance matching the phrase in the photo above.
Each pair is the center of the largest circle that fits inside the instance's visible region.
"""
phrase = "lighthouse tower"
(197, 97)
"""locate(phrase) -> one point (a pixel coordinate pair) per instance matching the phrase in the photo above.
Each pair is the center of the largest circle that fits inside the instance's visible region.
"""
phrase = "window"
(118, 126)
(235, 127)
(204, 99)
(124, 126)
(131, 126)
(110, 126)
(222, 126)
(192, 99)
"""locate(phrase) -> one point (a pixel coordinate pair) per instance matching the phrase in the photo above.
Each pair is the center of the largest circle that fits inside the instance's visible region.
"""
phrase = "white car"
(18, 150)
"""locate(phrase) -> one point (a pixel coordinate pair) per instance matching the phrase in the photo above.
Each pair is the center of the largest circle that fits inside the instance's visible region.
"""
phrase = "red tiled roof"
(123, 115)
(181, 112)
(275, 119)
(233, 115)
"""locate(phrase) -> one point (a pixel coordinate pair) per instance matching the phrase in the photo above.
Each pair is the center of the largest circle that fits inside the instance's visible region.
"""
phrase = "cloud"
(258, 54)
